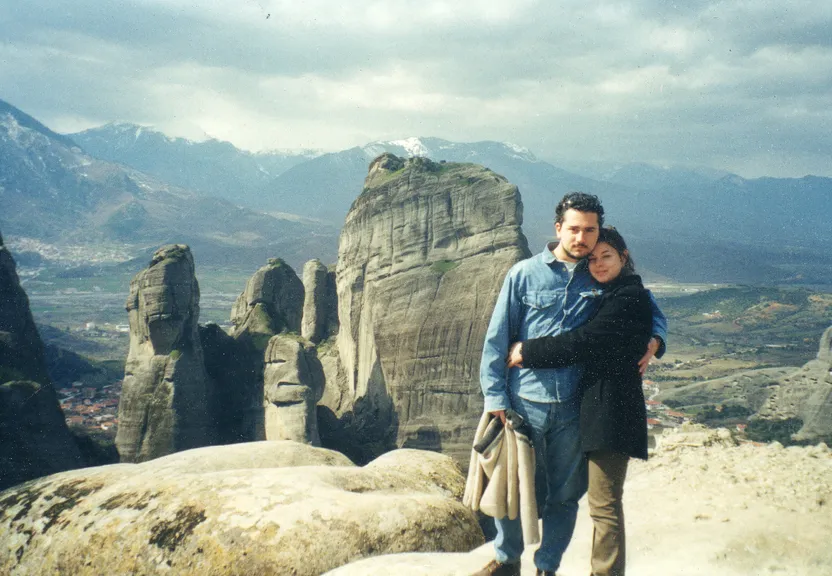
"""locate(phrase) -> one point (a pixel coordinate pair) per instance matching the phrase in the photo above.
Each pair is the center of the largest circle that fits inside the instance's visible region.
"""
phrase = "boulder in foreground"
(233, 510)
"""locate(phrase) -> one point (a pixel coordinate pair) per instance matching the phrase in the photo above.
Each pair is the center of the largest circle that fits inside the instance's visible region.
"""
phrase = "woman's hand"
(515, 356)
(652, 348)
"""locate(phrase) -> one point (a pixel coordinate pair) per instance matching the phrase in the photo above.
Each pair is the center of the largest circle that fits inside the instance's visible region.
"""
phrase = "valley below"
(716, 332)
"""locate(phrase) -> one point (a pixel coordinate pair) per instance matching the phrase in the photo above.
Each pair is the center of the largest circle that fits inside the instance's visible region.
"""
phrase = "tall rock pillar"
(165, 402)
(421, 259)
(320, 305)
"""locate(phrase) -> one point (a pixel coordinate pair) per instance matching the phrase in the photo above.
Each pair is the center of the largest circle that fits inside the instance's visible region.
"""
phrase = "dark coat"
(609, 345)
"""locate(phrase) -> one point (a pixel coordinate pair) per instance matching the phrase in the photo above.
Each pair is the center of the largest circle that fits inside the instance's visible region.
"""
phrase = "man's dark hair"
(582, 203)
(614, 238)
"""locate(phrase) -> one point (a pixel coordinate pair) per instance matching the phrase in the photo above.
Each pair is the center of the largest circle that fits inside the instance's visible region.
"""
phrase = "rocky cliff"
(421, 258)
(21, 349)
(34, 438)
(166, 396)
(806, 395)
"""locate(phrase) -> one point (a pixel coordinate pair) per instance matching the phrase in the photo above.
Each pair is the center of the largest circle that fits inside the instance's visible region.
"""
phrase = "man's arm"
(501, 330)
(657, 344)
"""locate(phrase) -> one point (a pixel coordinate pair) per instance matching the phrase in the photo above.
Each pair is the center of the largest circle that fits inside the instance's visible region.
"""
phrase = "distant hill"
(648, 176)
(754, 316)
(212, 167)
(51, 190)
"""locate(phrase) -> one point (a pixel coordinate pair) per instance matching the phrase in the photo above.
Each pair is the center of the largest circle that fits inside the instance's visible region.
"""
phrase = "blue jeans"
(560, 481)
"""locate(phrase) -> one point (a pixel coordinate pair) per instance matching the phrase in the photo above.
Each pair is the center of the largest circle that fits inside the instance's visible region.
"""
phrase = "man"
(547, 294)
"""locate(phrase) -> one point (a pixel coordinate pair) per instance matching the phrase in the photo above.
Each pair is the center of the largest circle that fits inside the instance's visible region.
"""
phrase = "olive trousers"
(607, 471)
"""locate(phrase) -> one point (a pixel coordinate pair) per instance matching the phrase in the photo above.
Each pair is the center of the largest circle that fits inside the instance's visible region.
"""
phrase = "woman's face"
(605, 263)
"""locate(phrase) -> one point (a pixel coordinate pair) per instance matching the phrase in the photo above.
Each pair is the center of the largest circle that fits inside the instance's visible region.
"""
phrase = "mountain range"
(124, 182)
(212, 166)
(52, 190)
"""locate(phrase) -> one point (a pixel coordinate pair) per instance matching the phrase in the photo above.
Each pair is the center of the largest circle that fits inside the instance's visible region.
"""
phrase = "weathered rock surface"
(421, 259)
(806, 394)
(21, 349)
(231, 510)
(165, 402)
(272, 302)
(293, 382)
(34, 438)
(704, 506)
(320, 305)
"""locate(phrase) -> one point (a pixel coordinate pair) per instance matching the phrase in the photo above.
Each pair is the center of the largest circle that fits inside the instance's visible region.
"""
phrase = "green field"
(715, 332)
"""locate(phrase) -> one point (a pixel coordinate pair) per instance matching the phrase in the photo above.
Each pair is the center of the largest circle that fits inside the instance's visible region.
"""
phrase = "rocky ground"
(701, 506)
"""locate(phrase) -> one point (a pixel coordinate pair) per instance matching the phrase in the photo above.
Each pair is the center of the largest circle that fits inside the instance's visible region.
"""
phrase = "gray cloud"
(744, 86)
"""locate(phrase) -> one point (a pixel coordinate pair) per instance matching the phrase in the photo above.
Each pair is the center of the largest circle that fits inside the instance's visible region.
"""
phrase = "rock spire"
(166, 396)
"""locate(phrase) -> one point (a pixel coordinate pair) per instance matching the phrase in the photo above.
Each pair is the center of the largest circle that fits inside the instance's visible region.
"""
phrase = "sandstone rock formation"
(34, 438)
(421, 259)
(320, 305)
(165, 402)
(21, 349)
(293, 382)
(233, 510)
(272, 302)
(806, 394)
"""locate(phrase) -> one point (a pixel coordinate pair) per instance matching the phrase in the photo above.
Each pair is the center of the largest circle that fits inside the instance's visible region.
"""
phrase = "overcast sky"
(742, 85)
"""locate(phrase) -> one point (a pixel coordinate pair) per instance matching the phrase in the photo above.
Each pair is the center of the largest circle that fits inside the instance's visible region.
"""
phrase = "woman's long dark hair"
(612, 237)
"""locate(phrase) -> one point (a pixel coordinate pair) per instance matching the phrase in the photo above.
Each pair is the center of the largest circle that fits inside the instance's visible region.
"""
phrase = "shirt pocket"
(544, 301)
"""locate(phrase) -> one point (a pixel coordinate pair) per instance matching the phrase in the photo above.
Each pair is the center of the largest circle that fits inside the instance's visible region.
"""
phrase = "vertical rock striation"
(320, 305)
(34, 438)
(165, 402)
(420, 263)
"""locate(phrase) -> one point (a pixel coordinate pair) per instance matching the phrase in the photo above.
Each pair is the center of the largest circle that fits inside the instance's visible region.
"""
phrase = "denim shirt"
(538, 298)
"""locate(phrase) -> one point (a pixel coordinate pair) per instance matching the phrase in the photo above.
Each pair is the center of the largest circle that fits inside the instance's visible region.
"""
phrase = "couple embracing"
(570, 336)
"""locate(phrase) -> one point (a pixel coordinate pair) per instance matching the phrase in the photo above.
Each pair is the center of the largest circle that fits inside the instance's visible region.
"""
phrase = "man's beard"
(568, 253)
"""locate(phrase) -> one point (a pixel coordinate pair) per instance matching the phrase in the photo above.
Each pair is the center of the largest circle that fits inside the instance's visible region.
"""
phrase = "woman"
(613, 420)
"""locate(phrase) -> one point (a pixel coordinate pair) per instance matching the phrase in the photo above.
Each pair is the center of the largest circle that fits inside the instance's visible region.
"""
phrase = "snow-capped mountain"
(210, 166)
(438, 149)
(687, 224)
(53, 191)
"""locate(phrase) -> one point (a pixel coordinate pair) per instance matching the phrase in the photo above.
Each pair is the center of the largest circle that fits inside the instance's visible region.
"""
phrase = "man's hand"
(515, 356)
(501, 414)
(652, 348)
